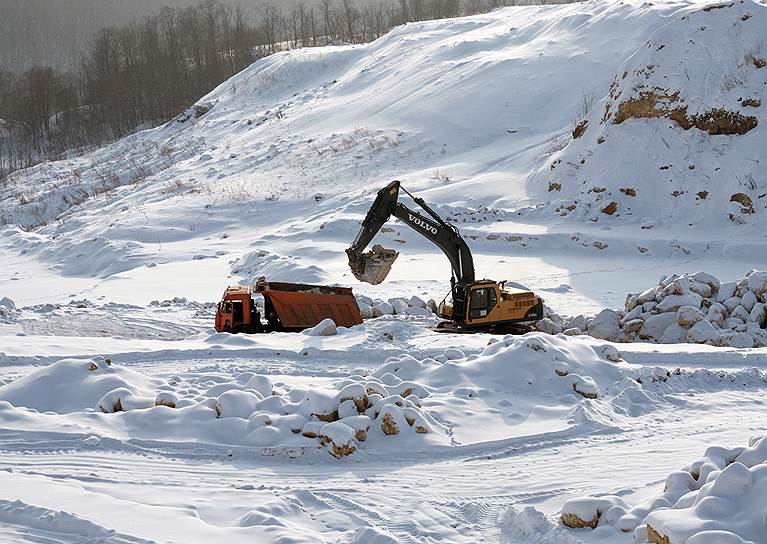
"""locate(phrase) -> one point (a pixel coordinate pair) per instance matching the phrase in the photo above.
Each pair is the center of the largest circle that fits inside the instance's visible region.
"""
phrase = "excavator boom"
(374, 266)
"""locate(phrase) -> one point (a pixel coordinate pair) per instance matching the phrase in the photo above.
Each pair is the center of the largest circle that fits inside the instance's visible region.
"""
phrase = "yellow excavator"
(476, 305)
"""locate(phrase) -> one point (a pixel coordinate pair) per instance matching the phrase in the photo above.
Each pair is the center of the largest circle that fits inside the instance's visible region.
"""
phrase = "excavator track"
(507, 328)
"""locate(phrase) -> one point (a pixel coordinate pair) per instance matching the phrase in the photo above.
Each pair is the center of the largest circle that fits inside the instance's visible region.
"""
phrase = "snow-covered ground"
(125, 418)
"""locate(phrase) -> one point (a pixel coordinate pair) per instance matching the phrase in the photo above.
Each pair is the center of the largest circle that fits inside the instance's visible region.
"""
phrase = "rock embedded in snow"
(237, 403)
(605, 325)
(5, 302)
(399, 305)
(417, 302)
(383, 308)
(339, 437)
(326, 327)
(365, 310)
(548, 326)
(577, 322)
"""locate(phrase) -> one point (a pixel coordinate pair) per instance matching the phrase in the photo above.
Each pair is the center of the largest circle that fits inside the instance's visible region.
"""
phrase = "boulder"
(731, 303)
(655, 325)
(418, 311)
(748, 300)
(548, 326)
(417, 302)
(703, 332)
(7, 303)
(326, 327)
(716, 313)
(739, 312)
(731, 323)
(726, 290)
(573, 331)
(605, 325)
(365, 310)
(633, 314)
(757, 283)
(758, 314)
(706, 278)
(383, 308)
(646, 296)
(673, 302)
(703, 289)
(687, 316)
(674, 334)
(399, 305)
(633, 325)
(577, 322)
(365, 300)
(737, 340)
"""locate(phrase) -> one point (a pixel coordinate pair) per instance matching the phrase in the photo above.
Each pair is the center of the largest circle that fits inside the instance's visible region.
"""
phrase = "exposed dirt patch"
(611, 208)
(752, 102)
(717, 6)
(660, 103)
(703, 195)
(628, 191)
(747, 205)
(554, 186)
(580, 128)
(721, 121)
(758, 62)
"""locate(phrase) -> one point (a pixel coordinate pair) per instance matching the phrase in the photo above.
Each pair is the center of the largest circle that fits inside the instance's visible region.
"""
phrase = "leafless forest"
(80, 73)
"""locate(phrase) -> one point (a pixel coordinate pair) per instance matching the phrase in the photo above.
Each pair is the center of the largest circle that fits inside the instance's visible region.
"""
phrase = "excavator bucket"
(373, 267)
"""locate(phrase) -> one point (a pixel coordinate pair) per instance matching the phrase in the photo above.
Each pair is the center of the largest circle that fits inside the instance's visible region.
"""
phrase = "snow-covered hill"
(271, 172)
(680, 135)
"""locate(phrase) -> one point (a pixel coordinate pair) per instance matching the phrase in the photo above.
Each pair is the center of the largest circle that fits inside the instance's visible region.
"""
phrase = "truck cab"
(237, 311)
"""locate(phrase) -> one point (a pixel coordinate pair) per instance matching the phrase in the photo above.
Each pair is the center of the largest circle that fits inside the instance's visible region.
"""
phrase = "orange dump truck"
(287, 307)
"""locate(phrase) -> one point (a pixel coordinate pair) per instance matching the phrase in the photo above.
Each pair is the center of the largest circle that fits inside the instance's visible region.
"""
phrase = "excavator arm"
(374, 266)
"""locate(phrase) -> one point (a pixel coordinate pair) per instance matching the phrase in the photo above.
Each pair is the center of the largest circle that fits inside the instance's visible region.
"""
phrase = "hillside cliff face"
(680, 135)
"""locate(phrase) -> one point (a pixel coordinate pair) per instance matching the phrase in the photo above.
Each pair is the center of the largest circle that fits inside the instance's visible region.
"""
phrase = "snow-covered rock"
(703, 332)
(605, 325)
(383, 308)
(326, 327)
(687, 316)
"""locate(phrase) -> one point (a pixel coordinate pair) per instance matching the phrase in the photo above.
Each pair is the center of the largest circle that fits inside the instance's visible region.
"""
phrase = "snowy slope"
(680, 135)
(271, 172)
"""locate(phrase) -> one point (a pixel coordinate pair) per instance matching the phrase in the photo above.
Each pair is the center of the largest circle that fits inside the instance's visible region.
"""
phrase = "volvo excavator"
(476, 305)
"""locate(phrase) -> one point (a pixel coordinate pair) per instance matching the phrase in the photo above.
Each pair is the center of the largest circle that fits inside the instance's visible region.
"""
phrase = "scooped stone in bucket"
(373, 267)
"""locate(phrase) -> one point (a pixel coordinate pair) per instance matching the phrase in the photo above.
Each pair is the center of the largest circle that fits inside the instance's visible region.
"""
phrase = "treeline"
(145, 73)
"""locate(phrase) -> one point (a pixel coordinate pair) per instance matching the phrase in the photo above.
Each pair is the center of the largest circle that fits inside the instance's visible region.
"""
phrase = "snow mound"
(682, 111)
(359, 412)
(73, 385)
(691, 308)
(718, 498)
(534, 365)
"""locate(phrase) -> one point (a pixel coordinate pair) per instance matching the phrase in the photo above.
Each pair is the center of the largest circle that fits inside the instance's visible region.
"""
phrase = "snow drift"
(718, 498)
